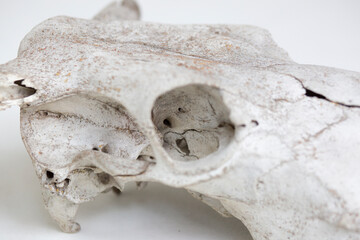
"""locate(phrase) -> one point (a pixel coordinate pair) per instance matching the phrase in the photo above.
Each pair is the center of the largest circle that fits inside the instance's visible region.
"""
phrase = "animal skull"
(217, 109)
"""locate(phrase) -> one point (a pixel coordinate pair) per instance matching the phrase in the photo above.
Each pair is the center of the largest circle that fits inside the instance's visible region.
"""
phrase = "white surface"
(317, 32)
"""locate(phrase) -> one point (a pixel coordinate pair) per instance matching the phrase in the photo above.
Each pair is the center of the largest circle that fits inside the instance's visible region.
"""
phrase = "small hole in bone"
(105, 149)
(167, 123)
(49, 174)
(145, 158)
(95, 149)
(183, 146)
(67, 181)
(43, 113)
(181, 110)
(254, 122)
(223, 124)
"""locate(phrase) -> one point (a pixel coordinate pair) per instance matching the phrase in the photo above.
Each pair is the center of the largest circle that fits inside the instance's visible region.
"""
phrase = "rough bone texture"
(217, 109)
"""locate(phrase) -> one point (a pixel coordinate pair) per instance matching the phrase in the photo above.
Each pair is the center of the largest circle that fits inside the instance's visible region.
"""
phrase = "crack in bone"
(311, 93)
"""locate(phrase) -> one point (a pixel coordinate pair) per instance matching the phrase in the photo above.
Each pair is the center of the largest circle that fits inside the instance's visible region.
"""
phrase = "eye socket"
(198, 127)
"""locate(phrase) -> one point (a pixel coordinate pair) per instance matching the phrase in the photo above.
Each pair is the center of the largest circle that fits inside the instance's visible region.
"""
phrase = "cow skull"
(217, 109)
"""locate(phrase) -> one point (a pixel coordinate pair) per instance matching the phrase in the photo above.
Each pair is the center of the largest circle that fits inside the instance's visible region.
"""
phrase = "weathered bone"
(217, 109)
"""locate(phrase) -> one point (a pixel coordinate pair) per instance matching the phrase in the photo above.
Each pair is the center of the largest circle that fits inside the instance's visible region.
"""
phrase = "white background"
(323, 32)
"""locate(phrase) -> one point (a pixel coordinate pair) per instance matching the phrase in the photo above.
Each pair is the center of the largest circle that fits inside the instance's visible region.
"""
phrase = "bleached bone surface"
(217, 109)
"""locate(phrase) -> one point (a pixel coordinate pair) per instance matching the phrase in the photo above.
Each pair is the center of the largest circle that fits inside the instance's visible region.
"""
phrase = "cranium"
(219, 110)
